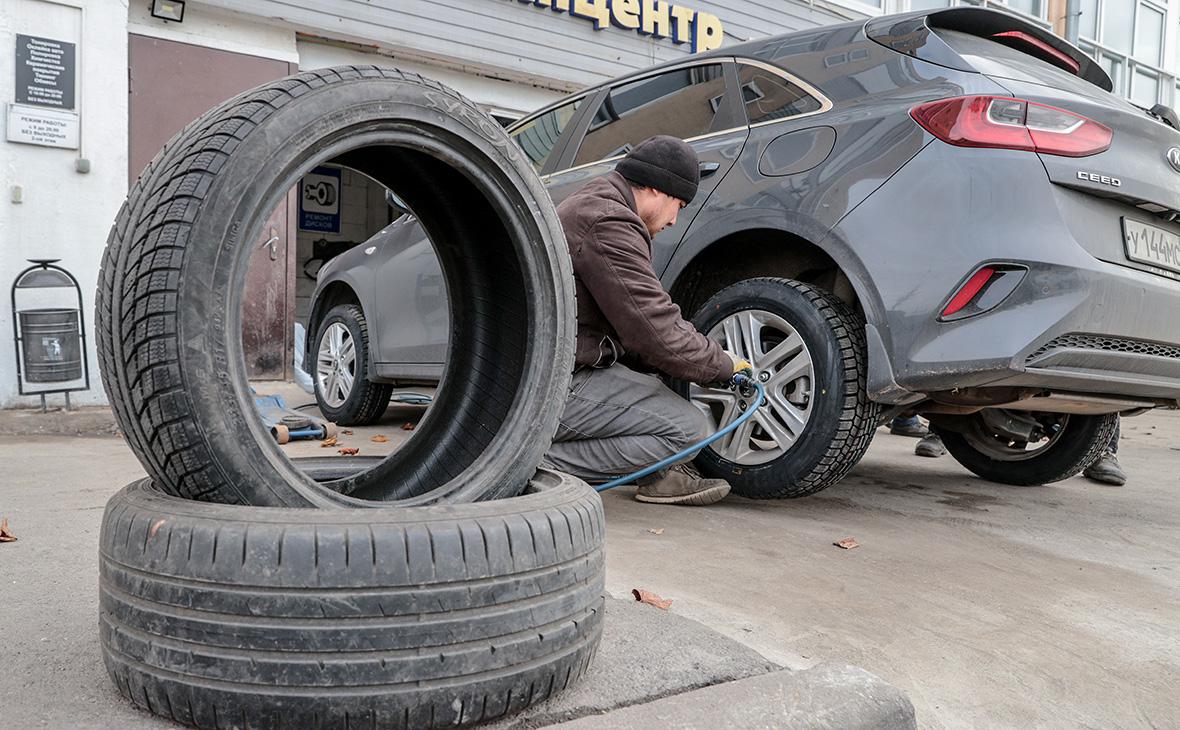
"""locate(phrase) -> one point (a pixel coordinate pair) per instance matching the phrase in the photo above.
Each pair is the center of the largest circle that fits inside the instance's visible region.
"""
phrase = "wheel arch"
(332, 294)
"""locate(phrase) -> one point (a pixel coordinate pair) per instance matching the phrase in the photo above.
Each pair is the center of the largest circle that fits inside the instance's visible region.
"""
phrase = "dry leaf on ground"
(349, 451)
(656, 530)
(407, 426)
(651, 599)
(379, 439)
(347, 432)
(5, 535)
(328, 442)
(847, 543)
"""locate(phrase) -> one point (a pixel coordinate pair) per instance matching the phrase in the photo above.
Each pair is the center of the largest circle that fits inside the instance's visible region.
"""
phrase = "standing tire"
(817, 421)
(1075, 444)
(340, 370)
(170, 290)
(422, 617)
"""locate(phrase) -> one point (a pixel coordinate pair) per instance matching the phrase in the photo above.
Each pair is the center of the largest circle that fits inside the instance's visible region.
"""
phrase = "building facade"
(93, 88)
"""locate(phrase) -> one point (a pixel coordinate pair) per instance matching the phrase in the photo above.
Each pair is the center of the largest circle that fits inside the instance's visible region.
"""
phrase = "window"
(1028, 7)
(1088, 22)
(1118, 21)
(768, 96)
(538, 137)
(685, 103)
(1149, 35)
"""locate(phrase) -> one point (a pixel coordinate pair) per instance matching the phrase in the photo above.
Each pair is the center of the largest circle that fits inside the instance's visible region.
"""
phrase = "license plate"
(1151, 245)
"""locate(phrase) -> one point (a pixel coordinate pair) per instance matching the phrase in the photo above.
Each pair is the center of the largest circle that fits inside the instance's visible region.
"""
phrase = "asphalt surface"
(988, 605)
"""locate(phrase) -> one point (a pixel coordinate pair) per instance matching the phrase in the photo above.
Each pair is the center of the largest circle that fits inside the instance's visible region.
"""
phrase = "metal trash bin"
(53, 345)
(50, 336)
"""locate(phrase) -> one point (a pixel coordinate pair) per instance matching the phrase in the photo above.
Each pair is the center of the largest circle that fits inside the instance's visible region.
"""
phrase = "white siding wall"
(64, 214)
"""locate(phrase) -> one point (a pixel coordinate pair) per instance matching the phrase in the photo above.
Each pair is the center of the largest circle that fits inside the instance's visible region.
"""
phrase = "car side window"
(767, 96)
(685, 103)
(538, 137)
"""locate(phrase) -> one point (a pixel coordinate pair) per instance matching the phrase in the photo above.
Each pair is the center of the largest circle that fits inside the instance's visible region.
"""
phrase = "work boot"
(911, 427)
(683, 484)
(1106, 470)
(930, 445)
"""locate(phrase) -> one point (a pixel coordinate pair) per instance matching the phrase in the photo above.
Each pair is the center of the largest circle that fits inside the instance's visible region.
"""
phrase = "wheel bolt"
(742, 406)
(764, 376)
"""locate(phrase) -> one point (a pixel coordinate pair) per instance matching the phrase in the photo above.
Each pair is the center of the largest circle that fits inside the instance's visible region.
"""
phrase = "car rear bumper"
(1074, 323)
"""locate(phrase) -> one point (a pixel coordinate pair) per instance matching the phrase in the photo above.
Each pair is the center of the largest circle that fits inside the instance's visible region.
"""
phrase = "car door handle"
(708, 168)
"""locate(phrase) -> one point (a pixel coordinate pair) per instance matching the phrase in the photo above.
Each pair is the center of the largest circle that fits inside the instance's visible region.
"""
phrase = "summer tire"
(422, 617)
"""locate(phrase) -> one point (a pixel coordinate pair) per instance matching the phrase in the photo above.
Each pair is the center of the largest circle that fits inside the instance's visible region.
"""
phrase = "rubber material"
(843, 418)
(1084, 440)
(170, 289)
(367, 401)
(228, 616)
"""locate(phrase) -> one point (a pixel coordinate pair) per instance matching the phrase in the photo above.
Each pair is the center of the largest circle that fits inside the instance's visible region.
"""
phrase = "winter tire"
(1076, 443)
(172, 280)
(340, 370)
(808, 349)
(419, 617)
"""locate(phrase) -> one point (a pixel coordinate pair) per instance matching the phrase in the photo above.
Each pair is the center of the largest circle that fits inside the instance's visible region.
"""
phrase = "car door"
(411, 311)
(693, 101)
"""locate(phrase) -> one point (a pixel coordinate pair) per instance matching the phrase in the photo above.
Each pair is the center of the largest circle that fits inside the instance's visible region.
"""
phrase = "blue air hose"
(741, 381)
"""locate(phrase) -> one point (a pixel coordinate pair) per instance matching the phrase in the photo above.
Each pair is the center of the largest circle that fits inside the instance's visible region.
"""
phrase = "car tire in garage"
(1075, 443)
(808, 348)
(418, 617)
(340, 369)
(169, 305)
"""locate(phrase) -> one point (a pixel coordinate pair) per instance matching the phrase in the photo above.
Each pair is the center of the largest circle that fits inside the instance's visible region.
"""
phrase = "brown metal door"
(173, 83)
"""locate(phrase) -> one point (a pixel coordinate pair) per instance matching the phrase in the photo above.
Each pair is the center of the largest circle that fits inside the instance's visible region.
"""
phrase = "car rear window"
(1000, 61)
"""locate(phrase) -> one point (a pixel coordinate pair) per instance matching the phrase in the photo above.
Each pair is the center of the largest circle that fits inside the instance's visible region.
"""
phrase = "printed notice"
(44, 72)
(33, 125)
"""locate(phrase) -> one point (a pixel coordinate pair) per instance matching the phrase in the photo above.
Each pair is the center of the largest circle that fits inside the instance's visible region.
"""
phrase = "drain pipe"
(1073, 11)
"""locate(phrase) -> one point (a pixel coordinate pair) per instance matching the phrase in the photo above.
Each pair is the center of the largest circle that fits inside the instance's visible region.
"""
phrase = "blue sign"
(319, 200)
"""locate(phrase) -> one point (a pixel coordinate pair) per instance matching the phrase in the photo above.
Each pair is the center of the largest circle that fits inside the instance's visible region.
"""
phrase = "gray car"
(945, 213)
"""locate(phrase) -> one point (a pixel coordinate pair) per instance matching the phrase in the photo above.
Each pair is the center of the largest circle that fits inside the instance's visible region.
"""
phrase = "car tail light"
(1015, 124)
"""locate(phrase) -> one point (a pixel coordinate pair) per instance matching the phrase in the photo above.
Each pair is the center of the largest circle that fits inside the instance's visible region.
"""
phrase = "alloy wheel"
(784, 365)
(336, 365)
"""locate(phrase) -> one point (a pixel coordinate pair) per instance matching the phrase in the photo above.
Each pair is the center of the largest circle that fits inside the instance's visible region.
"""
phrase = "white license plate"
(1151, 245)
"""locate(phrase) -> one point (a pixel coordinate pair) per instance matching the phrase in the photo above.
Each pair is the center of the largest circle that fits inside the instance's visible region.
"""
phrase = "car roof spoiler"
(911, 34)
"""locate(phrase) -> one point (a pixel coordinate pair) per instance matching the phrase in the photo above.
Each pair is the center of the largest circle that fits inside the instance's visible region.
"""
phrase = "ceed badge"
(1114, 182)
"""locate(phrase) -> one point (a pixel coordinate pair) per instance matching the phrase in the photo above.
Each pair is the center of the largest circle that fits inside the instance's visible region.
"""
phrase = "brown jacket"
(623, 309)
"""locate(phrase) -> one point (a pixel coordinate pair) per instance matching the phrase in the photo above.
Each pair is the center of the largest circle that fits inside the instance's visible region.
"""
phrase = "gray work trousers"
(617, 421)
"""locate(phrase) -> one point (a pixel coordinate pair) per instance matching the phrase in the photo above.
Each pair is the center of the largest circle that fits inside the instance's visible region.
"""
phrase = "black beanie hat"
(665, 163)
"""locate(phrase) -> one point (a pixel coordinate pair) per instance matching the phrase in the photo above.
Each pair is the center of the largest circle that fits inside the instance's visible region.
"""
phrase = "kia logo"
(1174, 158)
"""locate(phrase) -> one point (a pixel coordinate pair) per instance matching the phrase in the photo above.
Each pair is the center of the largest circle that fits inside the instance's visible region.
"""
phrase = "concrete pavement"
(987, 605)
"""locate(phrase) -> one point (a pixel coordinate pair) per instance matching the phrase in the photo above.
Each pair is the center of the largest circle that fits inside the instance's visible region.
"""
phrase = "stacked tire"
(450, 583)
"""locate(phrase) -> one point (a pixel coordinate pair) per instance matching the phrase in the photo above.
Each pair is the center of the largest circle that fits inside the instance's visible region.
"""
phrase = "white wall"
(214, 28)
(64, 214)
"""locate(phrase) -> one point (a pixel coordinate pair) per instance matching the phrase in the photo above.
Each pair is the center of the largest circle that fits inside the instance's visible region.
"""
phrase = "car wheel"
(1061, 446)
(808, 349)
(415, 617)
(169, 314)
(343, 391)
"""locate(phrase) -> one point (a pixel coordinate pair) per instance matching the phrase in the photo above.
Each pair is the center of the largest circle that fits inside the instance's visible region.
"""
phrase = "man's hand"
(740, 365)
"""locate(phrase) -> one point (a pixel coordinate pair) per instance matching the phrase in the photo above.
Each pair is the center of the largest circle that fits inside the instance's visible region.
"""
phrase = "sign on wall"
(655, 18)
(319, 200)
(45, 70)
(46, 127)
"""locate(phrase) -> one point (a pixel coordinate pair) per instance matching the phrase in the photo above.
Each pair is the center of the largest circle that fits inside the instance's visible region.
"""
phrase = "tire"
(422, 617)
(1080, 442)
(841, 419)
(365, 401)
(168, 305)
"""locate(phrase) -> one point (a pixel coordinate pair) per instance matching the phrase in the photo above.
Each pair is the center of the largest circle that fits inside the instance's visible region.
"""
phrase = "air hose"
(745, 385)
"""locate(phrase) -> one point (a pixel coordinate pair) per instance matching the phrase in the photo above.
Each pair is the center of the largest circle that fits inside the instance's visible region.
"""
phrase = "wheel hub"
(335, 365)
